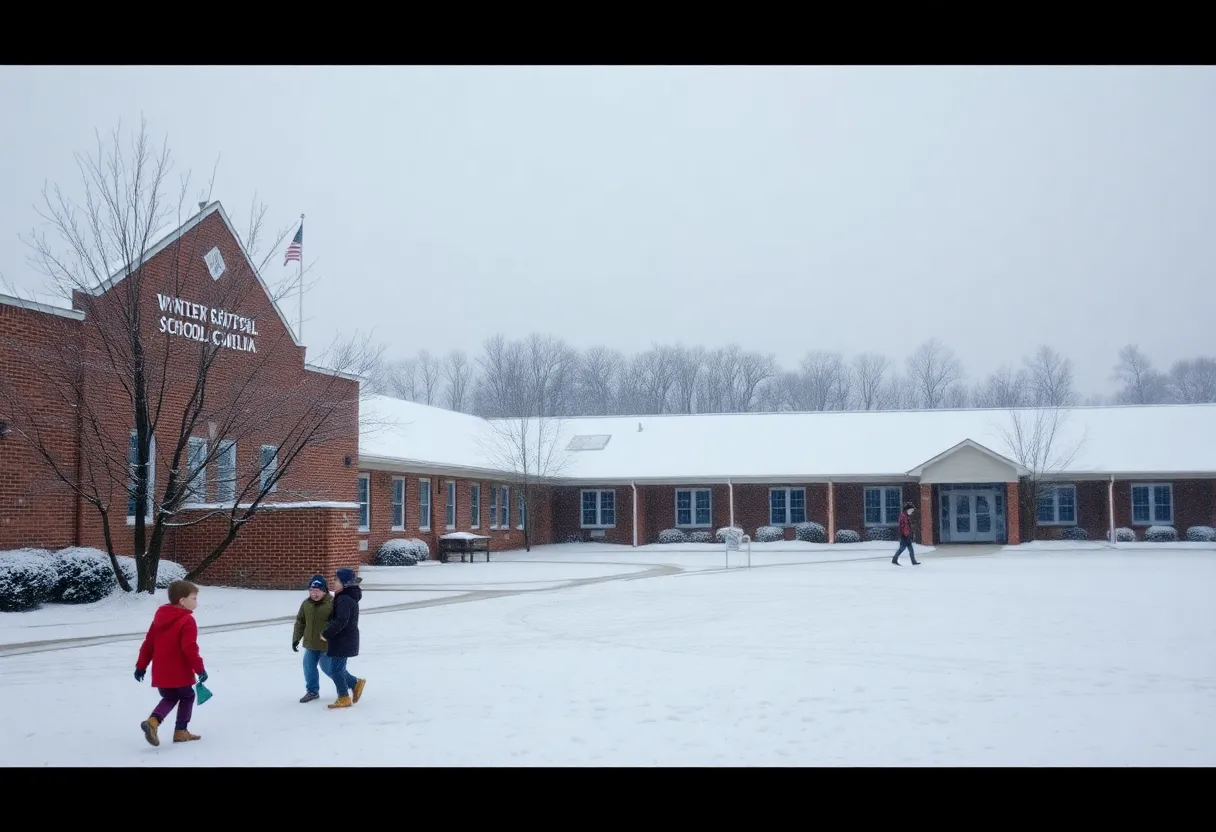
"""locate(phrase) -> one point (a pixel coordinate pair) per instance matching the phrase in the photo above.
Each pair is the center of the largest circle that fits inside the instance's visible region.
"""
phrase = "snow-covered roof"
(1144, 440)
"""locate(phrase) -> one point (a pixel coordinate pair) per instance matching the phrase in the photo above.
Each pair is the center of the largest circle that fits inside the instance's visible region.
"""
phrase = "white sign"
(215, 326)
(215, 263)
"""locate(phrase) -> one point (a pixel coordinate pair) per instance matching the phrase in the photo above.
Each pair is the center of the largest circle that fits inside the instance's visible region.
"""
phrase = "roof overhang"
(919, 470)
(1124, 476)
(46, 308)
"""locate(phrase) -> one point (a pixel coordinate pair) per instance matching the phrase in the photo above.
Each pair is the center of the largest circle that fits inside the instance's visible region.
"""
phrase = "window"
(522, 510)
(225, 481)
(693, 507)
(1152, 504)
(883, 505)
(270, 464)
(493, 507)
(504, 507)
(1056, 505)
(365, 509)
(424, 505)
(598, 509)
(475, 505)
(196, 463)
(398, 504)
(786, 506)
(132, 464)
(450, 517)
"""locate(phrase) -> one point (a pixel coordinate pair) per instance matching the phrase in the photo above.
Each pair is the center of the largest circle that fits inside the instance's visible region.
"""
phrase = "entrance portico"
(969, 495)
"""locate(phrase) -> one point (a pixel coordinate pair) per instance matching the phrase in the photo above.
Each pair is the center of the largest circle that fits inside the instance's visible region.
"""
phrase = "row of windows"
(1152, 505)
(196, 457)
(500, 505)
(786, 507)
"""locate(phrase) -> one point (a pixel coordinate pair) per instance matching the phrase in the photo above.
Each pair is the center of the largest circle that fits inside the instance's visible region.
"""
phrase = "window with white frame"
(1153, 504)
(522, 509)
(882, 505)
(786, 506)
(424, 505)
(450, 517)
(365, 508)
(1056, 505)
(398, 504)
(225, 480)
(132, 464)
(475, 505)
(693, 507)
(598, 509)
(493, 506)
(270, 464)
(196, 464)
(504, 508)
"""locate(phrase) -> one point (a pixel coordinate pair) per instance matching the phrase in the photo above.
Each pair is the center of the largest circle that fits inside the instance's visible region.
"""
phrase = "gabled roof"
(1021, 469)
(1146, 440)
(178, 233)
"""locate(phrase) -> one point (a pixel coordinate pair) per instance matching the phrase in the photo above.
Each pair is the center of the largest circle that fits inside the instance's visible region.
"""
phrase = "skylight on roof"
(589, 442)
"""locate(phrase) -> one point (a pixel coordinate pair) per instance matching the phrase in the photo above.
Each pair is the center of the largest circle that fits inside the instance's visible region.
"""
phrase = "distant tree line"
(544, 376)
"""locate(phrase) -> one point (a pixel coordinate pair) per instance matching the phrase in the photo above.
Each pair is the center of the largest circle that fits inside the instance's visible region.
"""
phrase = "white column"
(635, 513)
(1110, 501)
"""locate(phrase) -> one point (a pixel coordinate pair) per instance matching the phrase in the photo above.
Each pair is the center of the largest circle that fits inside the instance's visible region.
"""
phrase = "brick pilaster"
(926, 515)
(1013, 514)
(831, 512)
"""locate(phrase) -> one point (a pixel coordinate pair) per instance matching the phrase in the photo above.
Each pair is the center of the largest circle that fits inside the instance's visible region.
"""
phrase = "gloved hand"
(139, 675)
(295, 647)
(202, 677)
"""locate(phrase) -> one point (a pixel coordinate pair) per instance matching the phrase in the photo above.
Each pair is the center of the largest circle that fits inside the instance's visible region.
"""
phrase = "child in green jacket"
(311, 621)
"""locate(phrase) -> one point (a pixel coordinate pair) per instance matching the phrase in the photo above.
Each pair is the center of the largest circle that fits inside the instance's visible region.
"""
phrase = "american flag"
(297, 246)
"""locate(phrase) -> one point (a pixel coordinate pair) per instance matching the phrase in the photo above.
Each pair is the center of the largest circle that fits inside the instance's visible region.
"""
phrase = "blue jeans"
(343, 681)
(312, 682)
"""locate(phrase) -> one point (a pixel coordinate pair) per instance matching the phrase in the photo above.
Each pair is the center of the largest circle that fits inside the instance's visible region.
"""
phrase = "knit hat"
(318, 582)
(347, 577)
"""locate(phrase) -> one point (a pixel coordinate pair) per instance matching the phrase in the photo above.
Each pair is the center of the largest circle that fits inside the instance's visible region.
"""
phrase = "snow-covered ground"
(1023, 657)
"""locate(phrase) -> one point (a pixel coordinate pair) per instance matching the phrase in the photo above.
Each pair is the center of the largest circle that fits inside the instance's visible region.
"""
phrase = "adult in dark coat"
(341, 638)
(905, 535)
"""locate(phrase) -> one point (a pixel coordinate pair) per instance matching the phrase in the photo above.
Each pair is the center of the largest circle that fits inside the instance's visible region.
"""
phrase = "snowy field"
(1025, 657)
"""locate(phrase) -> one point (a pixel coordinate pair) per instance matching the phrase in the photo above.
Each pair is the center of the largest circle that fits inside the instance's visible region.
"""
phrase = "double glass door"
(971, 516)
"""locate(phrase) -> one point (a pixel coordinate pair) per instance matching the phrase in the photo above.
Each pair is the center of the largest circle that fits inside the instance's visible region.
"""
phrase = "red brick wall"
(567, 515)
(851, 504)
(381, 520)
(1194, 505)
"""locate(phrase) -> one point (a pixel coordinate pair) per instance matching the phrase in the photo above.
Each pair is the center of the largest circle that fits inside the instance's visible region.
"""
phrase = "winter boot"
(358, 691)
(149, 726)
(308, 697)
(916, 563)
(343, 702)
(182, 735)
(895, 561)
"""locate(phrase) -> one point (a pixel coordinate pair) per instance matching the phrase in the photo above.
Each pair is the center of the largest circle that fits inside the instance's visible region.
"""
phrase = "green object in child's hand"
(203, 693)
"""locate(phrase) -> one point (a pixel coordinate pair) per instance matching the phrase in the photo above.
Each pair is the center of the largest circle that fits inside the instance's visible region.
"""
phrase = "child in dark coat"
(171, 645)
(341, 638)
(311, 621)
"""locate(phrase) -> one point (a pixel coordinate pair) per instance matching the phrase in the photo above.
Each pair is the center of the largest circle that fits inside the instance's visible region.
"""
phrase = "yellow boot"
(149, 726)
(343, 702)
(358, 691)
(184, 736)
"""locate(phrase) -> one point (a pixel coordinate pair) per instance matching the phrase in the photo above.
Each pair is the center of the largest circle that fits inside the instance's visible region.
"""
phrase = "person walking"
(905, 535)
(311, 621)
(171, 647)
(341, 638)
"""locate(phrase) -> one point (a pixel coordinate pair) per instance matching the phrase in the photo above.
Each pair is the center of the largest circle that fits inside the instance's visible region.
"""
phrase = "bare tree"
(430, 375)
(651, 377)
(1142, 383)
(99, 256)
(530, 449)
(688, 366)
(826, 381)
(597, 377)
(459, 375)
(550, 366)
(732, 379)
(1193, 381)
(1037, 439)
(869, 375)
(934, 369)
(1004, 388)
(1050, 378)
(501, 390)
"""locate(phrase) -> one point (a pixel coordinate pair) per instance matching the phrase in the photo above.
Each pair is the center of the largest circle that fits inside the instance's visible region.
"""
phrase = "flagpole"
(300, 287)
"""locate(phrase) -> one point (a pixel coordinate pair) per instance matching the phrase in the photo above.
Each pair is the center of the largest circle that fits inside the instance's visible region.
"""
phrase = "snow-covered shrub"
(401, 551)
(847, 536)
(1161, 534)
(574, 538)
(672, 536)
(770, 534)
(84, 576)
(166, 571)
(721, 534)
(1075, 533)
(810, 533)
(886, 534)
(1123, 535)
(1201, 534)
(27, 579)
(700, 536)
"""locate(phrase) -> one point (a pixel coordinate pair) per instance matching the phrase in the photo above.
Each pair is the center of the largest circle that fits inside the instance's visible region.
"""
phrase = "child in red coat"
(172, 646)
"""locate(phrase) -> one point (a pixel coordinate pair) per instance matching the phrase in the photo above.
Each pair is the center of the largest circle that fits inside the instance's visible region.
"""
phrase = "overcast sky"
(785, 209)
